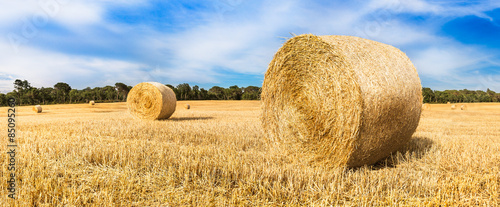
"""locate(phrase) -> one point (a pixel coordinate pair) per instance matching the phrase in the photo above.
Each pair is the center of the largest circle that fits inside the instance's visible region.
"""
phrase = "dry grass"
(214, 155)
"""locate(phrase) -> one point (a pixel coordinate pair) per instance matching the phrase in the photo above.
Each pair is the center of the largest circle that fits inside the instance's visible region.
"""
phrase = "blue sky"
(453, 44)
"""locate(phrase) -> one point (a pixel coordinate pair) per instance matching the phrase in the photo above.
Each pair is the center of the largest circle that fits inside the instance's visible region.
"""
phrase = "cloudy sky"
(454, 44)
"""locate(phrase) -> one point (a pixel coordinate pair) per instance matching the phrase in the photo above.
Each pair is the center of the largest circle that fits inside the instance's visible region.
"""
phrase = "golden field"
(216, 155)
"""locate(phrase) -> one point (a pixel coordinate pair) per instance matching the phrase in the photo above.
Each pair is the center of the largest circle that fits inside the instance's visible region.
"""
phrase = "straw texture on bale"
(91, 103)
(340, 100)
(151, 100)
(453, 107)
(187, 106)
(37, 109)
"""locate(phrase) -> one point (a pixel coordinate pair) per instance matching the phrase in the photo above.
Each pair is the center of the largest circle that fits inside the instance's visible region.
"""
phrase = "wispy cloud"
(82, 43)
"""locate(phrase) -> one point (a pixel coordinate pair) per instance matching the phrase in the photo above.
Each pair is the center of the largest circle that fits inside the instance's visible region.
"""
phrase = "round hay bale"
(37, 109)
(448, 103)
(187, 106)
(91, 103)
(453, 107)
(151, 100)
(340, 100)
(426, 106)
(463, 107)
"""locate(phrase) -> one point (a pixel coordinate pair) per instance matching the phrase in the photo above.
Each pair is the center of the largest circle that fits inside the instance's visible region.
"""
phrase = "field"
(215, 154)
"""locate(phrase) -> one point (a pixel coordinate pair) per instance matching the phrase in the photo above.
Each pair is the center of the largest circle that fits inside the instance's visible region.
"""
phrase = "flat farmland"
(215, 154)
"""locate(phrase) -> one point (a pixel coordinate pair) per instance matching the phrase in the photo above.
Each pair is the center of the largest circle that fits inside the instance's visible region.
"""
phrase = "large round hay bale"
(91, 103)
(151, 100)
(453, 107)
(340, 100)
(37, 109)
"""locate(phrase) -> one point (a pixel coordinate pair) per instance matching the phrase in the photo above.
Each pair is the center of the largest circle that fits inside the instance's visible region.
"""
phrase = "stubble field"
(215, 154)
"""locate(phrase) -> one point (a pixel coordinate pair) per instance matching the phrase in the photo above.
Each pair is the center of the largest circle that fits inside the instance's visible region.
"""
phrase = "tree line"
(62, 93)
(459, 96)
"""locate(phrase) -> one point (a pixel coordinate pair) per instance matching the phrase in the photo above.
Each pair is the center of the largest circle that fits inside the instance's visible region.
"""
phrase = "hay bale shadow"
(416, 148)
(103, 111)
(187, 118)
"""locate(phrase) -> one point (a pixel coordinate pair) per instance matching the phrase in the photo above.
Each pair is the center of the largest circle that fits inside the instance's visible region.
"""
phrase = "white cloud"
(74, 14)
(453, 65)
(442, 61)
(69, 13)
(240, 37)
(44, 69)
(12, 11)
(438, 8)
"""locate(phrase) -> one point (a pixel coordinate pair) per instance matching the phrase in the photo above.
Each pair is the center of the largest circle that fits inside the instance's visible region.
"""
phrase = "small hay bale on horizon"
(151, 100)
(91, 103)
(453, 107)
(448, 102)
(463, 107)
(426, 106)
(339, 100)
(187, 106)
(37, 109)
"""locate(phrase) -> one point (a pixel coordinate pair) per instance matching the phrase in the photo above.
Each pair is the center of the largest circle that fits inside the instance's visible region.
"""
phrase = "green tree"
(122, 91)
(233, 93)
(62, 91)
(11, 94)
(428, 95)
(32, 96)
(491, 94)
(45, 95)
(251, 93)
(73, 95)
(216, 92)
(184, 91)
(195, 93)
(483, 96)
(3, 99)
(204, 94)
(21, 88)
(109, 93)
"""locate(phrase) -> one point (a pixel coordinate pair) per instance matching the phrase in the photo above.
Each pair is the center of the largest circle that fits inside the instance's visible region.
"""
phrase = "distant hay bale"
(187, 106)
(91, 103)
(463, 107)
(453, 107)
(426, 106)
(37, 109)
(151, 100)
(448, 102)
(340, 100)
